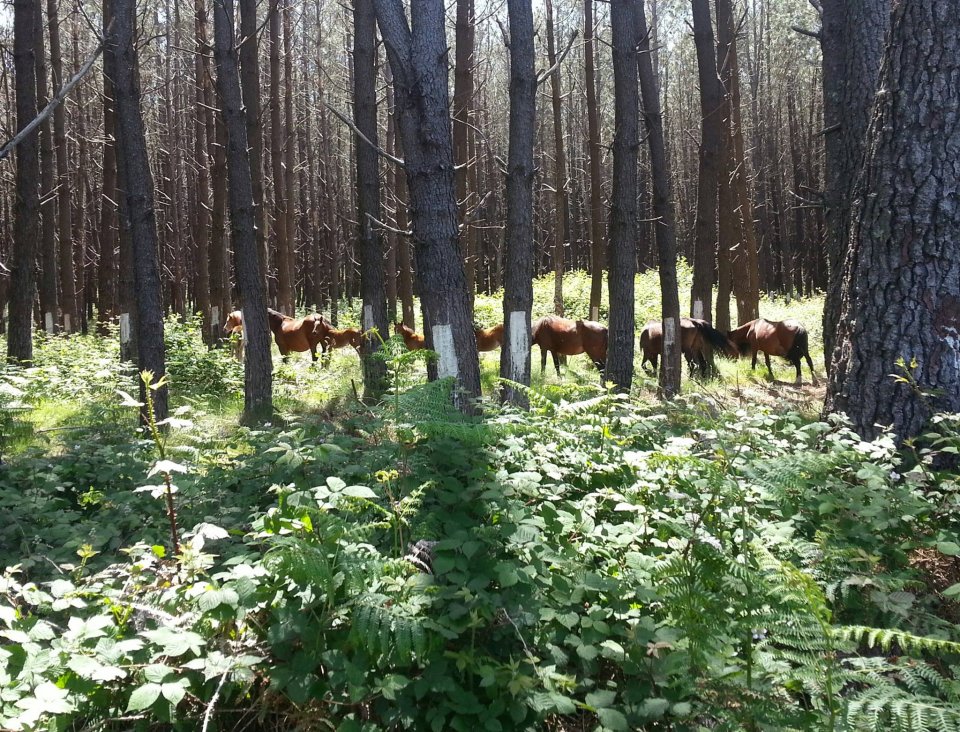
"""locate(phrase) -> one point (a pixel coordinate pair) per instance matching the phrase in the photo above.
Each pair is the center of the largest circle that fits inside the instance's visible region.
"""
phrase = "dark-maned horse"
(412, 340)
(234, 326)
(332, 338)
(489, 338)
(698, 341)
(564, 337)
(787, 338)
(295, 334)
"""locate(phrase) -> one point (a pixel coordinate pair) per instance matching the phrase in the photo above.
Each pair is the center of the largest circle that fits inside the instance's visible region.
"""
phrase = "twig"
(546, 74)
(55, 102)
(356, 130)
(393, 229)
(806, 32)
(213, 702)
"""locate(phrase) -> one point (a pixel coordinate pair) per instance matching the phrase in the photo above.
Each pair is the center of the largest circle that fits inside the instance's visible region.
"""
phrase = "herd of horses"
(699, 340)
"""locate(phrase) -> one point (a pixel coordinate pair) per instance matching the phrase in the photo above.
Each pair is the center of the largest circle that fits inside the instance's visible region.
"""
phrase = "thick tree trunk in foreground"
(594, 152)
(462, 106)
(258, 368)
(281, 252)
(711, 148)
(518, 237)
(901, 289)
(26, 215)
(133, 160)
(418, 61)
(49, 293)
(851, 41)
(370, 240)
(201, 193)
(623, 203)
(109, 214)
(665, 227)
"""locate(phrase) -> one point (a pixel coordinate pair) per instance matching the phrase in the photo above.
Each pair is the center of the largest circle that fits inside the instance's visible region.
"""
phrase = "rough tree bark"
(370, 240)
(250, 80)
(462, 106)
(109, 219)
(418, 60)
(26, 215)
(201, 197)
(594, 153)
(138, 185)
(281, 251)
(711, 147)
(623, 201)
(49, 300)
(851, 41)
(901, 286)
(665, 227)
(68, 280)
(258, 367)
(518, 236)
(561, 231)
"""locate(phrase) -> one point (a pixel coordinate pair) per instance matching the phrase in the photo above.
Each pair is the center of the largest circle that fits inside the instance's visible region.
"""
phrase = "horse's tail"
(800, 346)
(717, 340)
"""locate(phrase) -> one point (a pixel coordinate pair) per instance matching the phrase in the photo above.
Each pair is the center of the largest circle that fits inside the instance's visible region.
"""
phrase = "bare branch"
(377, 222)
(546, 74)
(806, 32)
(356, 130)
(55, 101)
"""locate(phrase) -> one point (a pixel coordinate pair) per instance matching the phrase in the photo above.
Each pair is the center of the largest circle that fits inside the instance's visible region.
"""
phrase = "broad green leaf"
(612, 719)
(143, 697)
(359, 491)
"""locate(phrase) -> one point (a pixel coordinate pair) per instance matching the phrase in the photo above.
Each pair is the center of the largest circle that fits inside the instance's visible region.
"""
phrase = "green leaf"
(507, 575)
(143, 697)
(167, 466)
(8, 615)
(359, 491)
(612, 719)
(174, 642)
(601, 698)
(654, 707)
(215, 597)
(157, 672)
(613, 650)
(950, 548)
(952, 591)
(174, 691)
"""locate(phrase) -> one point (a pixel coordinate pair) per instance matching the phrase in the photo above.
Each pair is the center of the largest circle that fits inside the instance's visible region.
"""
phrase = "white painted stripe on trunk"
(48, 322)
(669, 332)
(595, 313)
(124, 327)
(367, 317)
(698, 309)
(215, 319)
(67, 323)
(519, 344)
(443, 344)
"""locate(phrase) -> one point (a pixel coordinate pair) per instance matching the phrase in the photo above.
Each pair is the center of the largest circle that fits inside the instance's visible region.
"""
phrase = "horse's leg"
(543, 360)
(797, 364)
(556, 362)
(313, 352)
(766, 357)
(753, 363)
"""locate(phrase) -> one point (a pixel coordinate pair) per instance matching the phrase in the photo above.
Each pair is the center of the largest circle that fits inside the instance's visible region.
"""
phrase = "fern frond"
(884, 638)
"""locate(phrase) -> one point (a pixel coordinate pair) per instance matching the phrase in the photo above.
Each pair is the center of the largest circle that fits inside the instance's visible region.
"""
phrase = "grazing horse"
(413, 341)
(234, 326)
(563, 337)
(698, 340)
(489, 338)
(295, 334)
(787, 338)
(332, 337)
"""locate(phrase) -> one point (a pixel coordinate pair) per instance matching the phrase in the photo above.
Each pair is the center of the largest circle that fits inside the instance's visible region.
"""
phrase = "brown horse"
(295, 334)
(333, 338)
(787, 338)
(698, 340)
(563, 337)
(413, 341)
(234, 326)
(489, 338)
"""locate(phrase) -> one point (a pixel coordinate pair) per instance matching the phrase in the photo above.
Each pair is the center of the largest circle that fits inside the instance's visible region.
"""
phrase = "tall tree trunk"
(852, 41)
(370, 240)
(462, 106)
(26, 213)
(68, 292)
(901, 291)
(132, 159)
(109, 219)
(49, 300)
(250, 80)
(743, 258)
(665, 226)
(201, 199)
(562, 230)
(711, 147)
(419, 65)
(518, 237)
(404, 257)
(595, 154)
(623, 201)
(289, 155)
(258, 368)
(281, 250)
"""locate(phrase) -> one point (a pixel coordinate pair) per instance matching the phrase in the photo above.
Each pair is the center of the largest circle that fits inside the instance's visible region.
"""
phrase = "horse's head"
(401, 328)
(234, 322)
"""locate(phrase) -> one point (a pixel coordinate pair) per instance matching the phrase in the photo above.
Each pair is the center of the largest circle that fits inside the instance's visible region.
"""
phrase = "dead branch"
(356, 130)
(546, 74)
